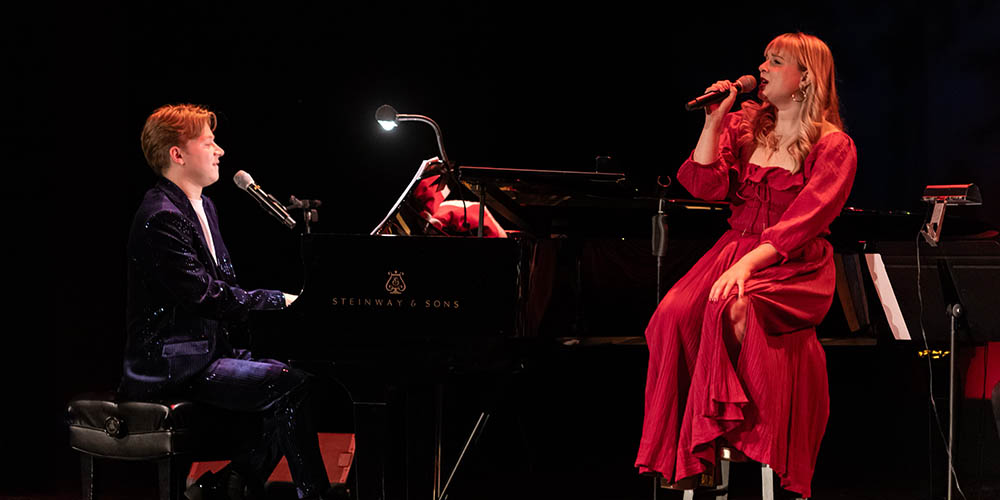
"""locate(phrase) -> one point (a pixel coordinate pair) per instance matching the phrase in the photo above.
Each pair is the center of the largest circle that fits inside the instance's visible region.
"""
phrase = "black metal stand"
(659, 239)
(963, 287)
(441, 490)
(659, 247)
(372, 431)
(482, 209)
(473, 436)
(955, 311)
(309, 208)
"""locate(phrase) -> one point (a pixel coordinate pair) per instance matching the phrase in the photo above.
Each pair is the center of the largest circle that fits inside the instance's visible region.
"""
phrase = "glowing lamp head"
(386, 116)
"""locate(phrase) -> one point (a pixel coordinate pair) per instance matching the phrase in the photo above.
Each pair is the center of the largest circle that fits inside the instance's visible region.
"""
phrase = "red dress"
(774, 404)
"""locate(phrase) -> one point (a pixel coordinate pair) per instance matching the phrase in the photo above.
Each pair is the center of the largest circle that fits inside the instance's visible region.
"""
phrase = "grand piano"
(393, 317)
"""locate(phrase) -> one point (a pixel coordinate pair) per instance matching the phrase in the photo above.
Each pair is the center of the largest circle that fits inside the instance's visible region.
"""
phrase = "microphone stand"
(309, 212)
(659, 240)
(660, 232)
(954, 311)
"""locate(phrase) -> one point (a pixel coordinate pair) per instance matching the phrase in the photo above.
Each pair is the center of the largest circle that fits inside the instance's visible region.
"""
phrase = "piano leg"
(438, 435)
(369, 460)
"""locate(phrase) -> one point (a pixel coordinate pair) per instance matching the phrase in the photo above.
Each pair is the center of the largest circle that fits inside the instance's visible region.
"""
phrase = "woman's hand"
(734, 276)
(758, 258)
(707, 149)
(715, 112)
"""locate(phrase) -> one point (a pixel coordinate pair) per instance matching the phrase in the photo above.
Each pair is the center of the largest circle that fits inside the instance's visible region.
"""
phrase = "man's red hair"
(169, 126)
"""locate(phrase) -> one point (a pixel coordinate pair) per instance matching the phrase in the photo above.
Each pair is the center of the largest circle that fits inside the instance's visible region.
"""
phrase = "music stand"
(403, 218)
(958, 277)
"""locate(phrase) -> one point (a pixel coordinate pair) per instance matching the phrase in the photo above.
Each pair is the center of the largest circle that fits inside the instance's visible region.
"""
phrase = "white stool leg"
(724, 480)
(766, 482)
(688, 494)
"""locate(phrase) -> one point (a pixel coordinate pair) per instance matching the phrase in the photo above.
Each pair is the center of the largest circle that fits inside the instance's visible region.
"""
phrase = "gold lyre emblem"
(395, 285)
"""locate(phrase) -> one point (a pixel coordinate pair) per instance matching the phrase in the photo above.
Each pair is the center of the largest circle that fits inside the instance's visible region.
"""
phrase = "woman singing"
(733, 354)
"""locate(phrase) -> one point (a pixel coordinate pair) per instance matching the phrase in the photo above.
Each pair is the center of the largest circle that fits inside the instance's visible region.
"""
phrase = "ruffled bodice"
(787, 209)
(762, 197)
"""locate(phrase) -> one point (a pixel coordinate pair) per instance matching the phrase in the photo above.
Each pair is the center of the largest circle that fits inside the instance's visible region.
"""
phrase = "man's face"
(201, 158)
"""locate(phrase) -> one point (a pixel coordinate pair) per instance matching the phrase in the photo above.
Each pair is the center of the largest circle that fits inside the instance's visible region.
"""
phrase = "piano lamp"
(388, 118)
(942, 196)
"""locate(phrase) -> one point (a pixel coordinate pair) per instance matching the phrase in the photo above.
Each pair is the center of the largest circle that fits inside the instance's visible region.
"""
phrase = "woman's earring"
(799, 95)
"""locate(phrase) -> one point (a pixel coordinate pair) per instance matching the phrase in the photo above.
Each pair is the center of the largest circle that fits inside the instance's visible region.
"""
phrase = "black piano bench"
(172, 433)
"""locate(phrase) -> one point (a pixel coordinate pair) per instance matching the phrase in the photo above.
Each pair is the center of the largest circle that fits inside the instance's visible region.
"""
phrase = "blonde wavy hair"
(820, 103)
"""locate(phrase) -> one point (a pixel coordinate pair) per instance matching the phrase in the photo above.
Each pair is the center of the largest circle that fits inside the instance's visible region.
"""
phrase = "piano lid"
(531, 187)
(548, 203)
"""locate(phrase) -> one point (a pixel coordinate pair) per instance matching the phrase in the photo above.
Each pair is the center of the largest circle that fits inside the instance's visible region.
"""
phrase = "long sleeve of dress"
(174, 265)
(829, 173)
(711, 181)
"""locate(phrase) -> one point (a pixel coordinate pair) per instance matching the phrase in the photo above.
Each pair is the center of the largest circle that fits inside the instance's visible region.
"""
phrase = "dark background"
(512, 84)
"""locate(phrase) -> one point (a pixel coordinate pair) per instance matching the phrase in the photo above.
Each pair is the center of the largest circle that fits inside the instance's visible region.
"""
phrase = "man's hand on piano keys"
(289, 298)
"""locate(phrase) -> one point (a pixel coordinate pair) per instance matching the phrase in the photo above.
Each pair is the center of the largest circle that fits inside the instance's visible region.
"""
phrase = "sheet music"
(399, 202)
(887, 297)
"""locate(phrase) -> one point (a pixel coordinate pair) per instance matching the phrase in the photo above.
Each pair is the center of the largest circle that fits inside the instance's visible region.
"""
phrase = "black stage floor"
(567, 427)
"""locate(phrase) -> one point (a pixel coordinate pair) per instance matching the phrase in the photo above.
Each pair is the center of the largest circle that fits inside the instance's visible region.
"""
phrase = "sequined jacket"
(180, 303)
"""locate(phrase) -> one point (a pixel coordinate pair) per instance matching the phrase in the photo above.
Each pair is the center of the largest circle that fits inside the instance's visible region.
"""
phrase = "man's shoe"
(226, 484)
(205, 488)
(336, 491)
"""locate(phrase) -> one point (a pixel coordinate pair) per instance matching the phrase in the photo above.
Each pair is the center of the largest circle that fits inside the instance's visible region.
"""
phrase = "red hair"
(169, 126)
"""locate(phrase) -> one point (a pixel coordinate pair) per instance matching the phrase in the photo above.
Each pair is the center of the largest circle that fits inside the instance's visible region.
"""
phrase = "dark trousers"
(280, 395)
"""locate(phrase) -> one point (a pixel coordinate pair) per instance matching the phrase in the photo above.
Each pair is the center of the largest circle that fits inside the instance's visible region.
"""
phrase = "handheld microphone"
(270, 205)
(745, 84)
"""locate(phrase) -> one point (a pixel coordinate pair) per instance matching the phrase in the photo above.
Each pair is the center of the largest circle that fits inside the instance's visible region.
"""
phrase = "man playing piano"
(183, 302)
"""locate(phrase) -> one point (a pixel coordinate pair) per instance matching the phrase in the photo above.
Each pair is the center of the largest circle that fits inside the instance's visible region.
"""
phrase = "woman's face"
(779, 77)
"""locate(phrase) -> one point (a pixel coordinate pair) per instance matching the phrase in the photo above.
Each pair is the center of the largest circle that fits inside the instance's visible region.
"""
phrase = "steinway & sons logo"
(395, 286)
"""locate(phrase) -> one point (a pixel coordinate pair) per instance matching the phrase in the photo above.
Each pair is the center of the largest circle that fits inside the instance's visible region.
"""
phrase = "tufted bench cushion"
(141, 430)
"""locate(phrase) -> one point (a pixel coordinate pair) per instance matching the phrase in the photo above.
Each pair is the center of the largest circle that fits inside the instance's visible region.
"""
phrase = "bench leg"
(87, 476)
(723, 480)
(172, 474)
